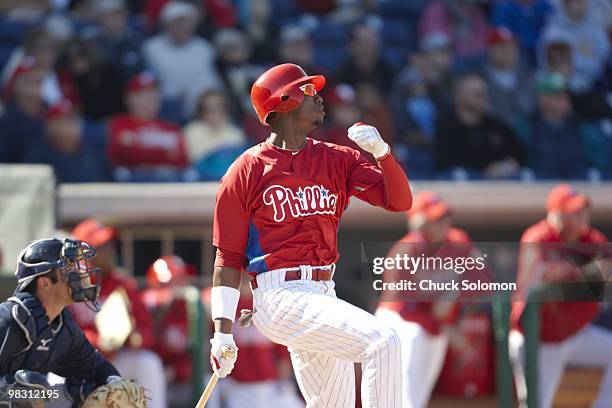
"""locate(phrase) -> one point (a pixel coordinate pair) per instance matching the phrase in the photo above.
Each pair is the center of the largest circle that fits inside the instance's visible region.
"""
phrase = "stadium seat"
(12, 32)
(329, 58)
(396, 56)
(284, 11)
(406, 9)
(329, 34)
(398, 32)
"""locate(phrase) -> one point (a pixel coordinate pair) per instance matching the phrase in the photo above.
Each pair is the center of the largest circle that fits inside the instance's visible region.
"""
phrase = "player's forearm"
(397, 188)
(229, 278)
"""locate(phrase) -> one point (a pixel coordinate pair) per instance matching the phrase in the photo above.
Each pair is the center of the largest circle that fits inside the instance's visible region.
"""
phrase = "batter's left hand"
(221, 360)
(368, 138)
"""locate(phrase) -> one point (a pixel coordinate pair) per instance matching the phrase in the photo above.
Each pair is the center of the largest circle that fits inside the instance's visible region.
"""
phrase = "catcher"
(38, 336)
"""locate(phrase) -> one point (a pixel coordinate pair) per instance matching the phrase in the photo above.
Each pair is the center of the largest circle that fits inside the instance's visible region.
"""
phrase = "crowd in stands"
(158, 90)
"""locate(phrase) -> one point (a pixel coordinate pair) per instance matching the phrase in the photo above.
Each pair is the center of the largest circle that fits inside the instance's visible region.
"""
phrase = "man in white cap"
(183, 62)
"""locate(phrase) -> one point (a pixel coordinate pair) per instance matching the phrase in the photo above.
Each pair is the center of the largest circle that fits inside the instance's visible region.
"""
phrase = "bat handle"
(228, 351)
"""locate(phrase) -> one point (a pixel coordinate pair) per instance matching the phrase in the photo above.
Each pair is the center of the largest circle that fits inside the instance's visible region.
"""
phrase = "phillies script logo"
(311, 200)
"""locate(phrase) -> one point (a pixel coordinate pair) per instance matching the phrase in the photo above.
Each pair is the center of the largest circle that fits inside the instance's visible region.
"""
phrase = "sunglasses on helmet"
(309, 89)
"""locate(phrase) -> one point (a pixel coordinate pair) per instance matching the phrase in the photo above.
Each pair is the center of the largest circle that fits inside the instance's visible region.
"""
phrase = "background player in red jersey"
(566, 333)
(277, 215)
(424, 327)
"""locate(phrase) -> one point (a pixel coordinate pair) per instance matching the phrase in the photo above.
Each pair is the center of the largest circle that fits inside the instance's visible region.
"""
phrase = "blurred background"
(129, 111)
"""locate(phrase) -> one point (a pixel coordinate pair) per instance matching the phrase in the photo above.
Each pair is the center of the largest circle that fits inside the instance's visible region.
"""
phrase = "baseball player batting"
(276, 216)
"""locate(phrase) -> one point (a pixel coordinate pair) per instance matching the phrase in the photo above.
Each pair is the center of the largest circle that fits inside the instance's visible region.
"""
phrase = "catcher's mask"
(69, 257)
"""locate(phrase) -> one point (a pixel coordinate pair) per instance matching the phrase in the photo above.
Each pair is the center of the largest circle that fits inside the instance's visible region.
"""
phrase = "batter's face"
(311, 112)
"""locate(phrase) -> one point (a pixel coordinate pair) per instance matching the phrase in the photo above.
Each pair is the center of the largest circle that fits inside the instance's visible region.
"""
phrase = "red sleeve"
(230, 259)
(231, 219)
(391, 191)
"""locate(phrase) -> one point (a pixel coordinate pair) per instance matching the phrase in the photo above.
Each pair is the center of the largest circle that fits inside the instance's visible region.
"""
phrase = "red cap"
(62, 108)
(342, 94)
(499, 35)
(427, 206)
(566, 199)
(94, 233)
(138, 82)
(165, 270)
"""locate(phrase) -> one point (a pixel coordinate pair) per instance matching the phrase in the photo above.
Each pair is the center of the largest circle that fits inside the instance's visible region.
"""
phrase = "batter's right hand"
(223, 354)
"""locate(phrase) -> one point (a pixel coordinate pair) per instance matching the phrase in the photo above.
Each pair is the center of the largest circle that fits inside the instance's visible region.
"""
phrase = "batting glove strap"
(224, 302)
(368, 138)
(222, 365)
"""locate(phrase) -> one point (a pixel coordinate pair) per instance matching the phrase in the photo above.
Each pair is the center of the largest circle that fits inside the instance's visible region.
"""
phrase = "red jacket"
(137, 142)
(422, 312)
(558, 320)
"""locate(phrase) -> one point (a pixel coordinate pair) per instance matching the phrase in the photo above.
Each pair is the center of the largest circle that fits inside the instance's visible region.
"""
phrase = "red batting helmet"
(278, 90)
(165, 270)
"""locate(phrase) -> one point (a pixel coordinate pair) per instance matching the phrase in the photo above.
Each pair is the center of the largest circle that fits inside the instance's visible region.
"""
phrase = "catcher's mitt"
(117, 394)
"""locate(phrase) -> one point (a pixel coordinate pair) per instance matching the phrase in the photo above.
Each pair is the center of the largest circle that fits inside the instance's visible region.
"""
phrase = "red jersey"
(138, 142)
(421, 312)
(278, 208)
(559, 320)
(85, 317)
(171, 327)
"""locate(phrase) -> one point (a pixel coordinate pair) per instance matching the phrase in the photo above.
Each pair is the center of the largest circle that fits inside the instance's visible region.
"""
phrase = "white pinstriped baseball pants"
(326, 336)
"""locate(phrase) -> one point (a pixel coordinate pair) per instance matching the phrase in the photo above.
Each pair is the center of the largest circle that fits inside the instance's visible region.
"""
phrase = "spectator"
(42, 48)
(342, 111)
(471, 139)
(364, 63)
(140, 144)
(462, 21)
(591, 103)
(21, 122)
(26, 11)
(74, 148)
(376, 110)
(117, 41)
(237, 73)
(510, 84)
(211, 133)
(560, 249)
(256, 23)
(98, 83)
(415, 113)
(183, 62)
(435, 64)
(557, 150)
(525, 19)
(587, 39)
(133, 358)
(296, 48)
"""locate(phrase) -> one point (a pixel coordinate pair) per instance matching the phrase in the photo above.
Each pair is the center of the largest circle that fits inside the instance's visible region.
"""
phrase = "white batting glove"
(368, 138)
(221, 361)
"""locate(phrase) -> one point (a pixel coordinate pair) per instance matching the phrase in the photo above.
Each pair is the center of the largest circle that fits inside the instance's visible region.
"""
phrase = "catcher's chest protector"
(45, 344)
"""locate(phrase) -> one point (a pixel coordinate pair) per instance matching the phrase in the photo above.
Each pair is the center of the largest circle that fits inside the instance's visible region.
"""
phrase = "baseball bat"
(227, 352)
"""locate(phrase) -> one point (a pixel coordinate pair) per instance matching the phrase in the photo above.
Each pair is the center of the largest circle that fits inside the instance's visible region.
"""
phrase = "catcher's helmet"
(278, 90)
(166, 269)
(45, 255)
